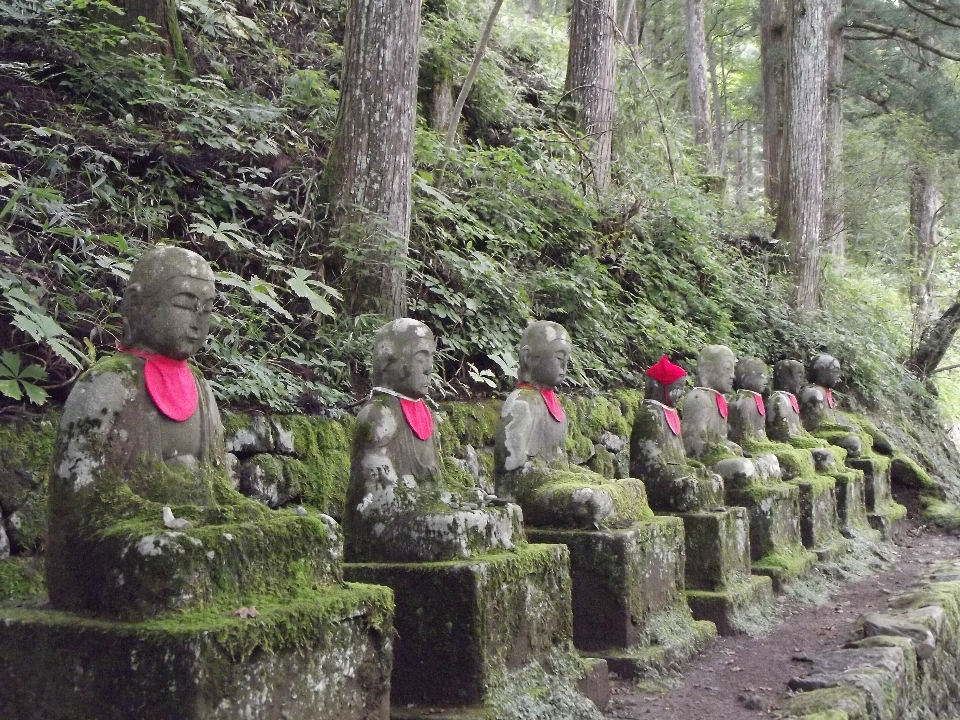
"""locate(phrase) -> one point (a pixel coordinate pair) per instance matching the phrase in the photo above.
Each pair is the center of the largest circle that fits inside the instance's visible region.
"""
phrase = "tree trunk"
(697, 80)
(773, 54)
(370, 164)
(934, 343)
(719, 131)
(800, 219)
(834, 230)
(162, 14)
(441, 103)
(742, 161)
(591, 78)
(924, 207)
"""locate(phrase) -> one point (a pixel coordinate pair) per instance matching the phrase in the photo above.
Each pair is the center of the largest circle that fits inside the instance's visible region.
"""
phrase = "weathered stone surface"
(881, 673)
(717, 548)
(321, 656)
(924, 641)
(744, 606)
(4, 544)
(248, 434)
(460, 624)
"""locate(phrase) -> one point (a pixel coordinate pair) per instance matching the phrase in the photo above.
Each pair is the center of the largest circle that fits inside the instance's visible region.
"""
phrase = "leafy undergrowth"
(106, 149)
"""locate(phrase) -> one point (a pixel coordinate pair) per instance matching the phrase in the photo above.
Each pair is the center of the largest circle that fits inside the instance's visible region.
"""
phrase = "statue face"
(410, 374)
(789, 375)
(674, 391)
(174, 321)
(716, 368)
(826, 371)
(547, 362)
(751, 374)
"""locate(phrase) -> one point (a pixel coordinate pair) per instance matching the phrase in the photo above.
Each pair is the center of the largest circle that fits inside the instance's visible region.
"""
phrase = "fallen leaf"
(247, 612)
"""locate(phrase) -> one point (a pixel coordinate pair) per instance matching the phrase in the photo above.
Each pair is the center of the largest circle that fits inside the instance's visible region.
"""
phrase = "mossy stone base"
(323, 655)
(876, 481)
(717, 548)
(774, 510)
(819, 522)
(851, 505)
(785, 566)
(460, 624)
(886, 520)
(621, 579)
(737, 608)
(138, 571)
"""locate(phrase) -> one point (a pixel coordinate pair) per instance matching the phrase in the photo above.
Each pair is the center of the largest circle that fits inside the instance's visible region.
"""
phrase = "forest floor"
(745, 678)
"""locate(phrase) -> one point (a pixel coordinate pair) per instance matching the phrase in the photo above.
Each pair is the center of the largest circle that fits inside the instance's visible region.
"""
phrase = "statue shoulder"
(379, 418)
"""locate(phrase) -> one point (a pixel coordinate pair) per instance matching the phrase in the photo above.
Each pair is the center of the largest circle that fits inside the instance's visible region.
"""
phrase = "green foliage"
(17, 382)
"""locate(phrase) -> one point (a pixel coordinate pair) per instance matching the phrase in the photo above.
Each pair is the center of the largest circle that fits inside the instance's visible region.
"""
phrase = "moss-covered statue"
(404, 504)
(783, 407)
(705, 413)
(656, 449)
(817, 406)
(530, 456)
(142, 517)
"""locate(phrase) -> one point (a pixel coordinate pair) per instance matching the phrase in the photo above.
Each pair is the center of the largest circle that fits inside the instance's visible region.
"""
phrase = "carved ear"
(130, 305)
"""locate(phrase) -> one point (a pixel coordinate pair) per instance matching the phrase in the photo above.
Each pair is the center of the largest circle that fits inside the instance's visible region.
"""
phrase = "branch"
(892, 32)
(930, 15)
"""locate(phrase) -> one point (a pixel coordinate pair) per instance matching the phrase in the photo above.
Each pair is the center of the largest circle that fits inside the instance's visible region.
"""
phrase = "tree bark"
(591, 79)
(697, 80)
(924, 207)
(834, 229)
(162, 14)
(934, 343)
(719, 131)
(800, 219)
(773, 55)
(370, 164)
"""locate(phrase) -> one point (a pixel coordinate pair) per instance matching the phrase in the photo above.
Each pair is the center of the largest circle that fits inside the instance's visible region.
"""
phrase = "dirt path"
(745, 678)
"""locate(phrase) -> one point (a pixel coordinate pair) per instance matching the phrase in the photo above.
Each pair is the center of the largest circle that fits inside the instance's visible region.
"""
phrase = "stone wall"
(903, 664)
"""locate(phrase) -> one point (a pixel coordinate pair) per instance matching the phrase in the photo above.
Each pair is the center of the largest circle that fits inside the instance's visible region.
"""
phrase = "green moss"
(578, 446)
(794, 463)
(468, 423)
(785, 563)
(545, 503)
(906, 471)
(940, 513)
(629, 403)
(21, 577)
(836, 703)
(320, 474)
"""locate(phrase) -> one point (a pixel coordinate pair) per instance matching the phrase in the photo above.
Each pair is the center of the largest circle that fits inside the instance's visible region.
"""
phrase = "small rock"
(282, 438)
(4, 544)
(301, 511)
(173, 523)
(750, 701)
(613, 443)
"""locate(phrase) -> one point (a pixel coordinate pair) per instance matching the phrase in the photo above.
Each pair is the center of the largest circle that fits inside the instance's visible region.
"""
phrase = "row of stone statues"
(140, 477)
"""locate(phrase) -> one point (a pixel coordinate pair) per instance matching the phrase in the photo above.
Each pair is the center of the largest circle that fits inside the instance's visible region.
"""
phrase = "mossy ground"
(21, 577)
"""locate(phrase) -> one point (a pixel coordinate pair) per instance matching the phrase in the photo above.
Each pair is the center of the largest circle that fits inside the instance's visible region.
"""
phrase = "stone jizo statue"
(531, 464)
(402, 506)
(656, 448)
(783, 407)
(705, 413)
(817, 404)
(748, 410)
(139, 473)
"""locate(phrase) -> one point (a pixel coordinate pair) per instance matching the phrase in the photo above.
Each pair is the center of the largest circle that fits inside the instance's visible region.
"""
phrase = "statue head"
(716, 368)
(544, 351)
(825, 371)
(403, 357)
(789, 375)
(167, 303)
(751, 374)
(666, 382)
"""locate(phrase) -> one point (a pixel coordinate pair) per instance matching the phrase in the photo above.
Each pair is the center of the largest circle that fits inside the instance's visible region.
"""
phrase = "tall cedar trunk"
(935, 342)
(370, 165)
(719, 132)
(163, 14)
(773, 58)
(924, 205)
(800, 219)
(441, 103)
(591, 78)
(740, 157)
(834, 230)
(697, 80)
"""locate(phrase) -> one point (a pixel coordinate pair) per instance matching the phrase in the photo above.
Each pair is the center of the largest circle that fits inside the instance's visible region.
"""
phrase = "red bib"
(758, 399)
(418, 417)
(722, 405)
(550, 399)
(673, 419)
(170, 384)
(793, 403)
(830, 401)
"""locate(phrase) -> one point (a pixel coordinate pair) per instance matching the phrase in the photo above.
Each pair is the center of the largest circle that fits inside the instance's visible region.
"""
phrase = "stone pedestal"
(882, 512)
(324, 655)
(775, 543)
(628, 595)
(819, 519)
(719, 585)
(461, 624)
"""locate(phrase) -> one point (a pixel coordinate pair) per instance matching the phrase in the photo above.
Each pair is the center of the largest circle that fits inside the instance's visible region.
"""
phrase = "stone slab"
(819, 522)
(876, 481)
(461, 623)
(774, 510)
(734, 609)
(717, 545)
(621, 579)
(325, 655)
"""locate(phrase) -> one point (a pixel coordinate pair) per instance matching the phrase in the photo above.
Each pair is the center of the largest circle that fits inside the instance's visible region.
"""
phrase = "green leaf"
(10, 388)
(37, 395)
(298, 283)
(10, 364)
(33, 372)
